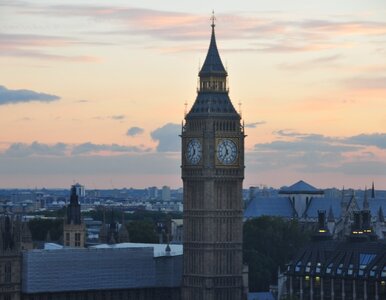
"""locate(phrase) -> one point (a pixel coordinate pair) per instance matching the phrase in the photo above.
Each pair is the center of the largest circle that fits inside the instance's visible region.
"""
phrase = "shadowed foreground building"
(350, 269)
(110, 272)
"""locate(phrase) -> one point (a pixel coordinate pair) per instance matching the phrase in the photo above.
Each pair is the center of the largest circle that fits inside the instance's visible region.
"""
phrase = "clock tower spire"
(212, 174)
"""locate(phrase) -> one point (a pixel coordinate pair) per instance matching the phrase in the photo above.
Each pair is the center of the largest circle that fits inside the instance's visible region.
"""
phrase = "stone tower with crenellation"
(212, 174)
(74, 229)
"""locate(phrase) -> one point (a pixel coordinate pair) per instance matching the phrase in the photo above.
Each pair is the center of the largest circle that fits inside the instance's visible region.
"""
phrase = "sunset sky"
(94, 91)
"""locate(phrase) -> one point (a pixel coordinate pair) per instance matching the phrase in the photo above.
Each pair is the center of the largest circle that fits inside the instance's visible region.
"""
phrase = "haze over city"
(95, 92)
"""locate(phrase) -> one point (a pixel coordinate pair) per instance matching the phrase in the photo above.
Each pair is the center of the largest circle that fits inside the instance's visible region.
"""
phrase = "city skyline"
(95, 93)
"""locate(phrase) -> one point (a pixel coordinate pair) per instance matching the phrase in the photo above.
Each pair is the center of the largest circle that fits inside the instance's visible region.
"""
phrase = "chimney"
(321, 220)
(356, 227)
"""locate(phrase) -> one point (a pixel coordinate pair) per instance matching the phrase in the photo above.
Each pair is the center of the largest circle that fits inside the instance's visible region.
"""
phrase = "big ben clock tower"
(212, 174)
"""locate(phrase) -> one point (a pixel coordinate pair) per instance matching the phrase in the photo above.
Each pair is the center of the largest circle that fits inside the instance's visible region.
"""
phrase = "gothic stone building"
(74, 230)
(349, 269)
(15, 237)
(212, 174)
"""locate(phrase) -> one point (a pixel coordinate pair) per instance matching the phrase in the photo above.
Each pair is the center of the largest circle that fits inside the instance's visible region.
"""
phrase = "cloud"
(133, 131)
(118, 117)
(369, 168)
(316, 153)
(274, 31)
(21, 96)
(87, 148)
(370, 83)
(255, 124)
(345, 27)
(36, 149)
(167, 137)
(324, 61)
(90, 166)
(375, 139)
(30, 46)
(62, 149)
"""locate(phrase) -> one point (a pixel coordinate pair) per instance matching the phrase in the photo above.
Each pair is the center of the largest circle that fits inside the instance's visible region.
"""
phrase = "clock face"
(193, 152)
(227, 151)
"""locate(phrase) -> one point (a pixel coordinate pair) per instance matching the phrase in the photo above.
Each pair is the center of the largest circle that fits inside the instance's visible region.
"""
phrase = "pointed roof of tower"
(213, 102)
(372, 191)
(213, 64)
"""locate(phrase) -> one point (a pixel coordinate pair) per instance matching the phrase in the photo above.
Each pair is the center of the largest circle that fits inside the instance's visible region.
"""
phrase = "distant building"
(80, 190)
(302, 201)
(113, 232)
(165, 193)
(152, 193)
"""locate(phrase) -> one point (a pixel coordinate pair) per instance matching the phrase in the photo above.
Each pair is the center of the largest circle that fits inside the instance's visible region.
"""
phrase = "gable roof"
(269, 206)
(301, 187)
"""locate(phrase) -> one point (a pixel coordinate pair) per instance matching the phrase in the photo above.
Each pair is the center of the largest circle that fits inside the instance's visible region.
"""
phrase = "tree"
(270, 243)
(142, 232)
(40, 227)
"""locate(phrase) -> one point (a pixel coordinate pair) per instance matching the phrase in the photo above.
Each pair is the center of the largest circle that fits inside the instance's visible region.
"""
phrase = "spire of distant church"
(372, 191)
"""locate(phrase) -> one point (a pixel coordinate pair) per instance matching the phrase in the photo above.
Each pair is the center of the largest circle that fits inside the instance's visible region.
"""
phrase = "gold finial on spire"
(213, 18)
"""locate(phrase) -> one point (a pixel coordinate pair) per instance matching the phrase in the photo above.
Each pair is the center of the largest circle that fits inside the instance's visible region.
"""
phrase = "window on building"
(339, 270)
(318, 266)
(373, 270)
(7, 297)
(329, 268)
(298, 266)
(67, 239)
(8, 272)
(383, 273)
(350, 269)
(308, 267)
(77, 239)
